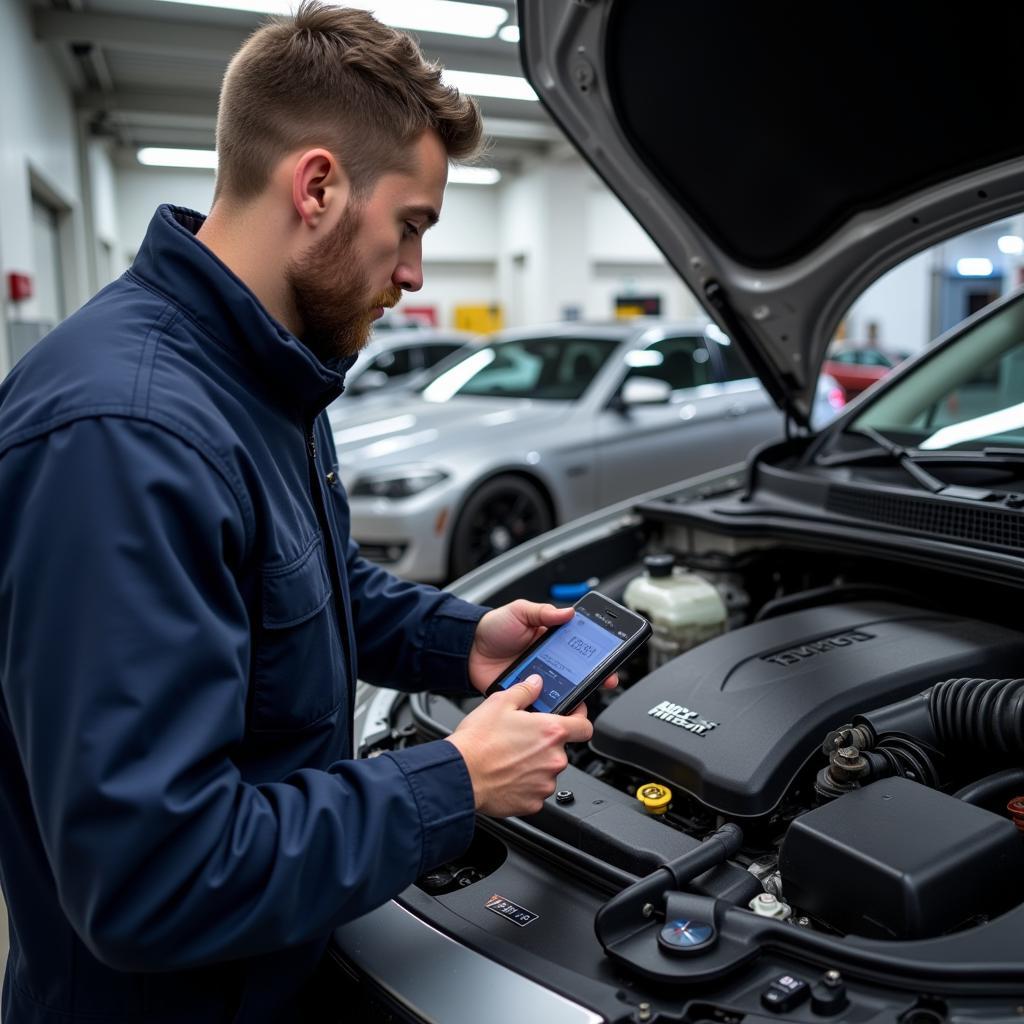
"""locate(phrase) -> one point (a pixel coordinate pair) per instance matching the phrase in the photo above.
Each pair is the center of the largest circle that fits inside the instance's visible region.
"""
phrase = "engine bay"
(840, 768)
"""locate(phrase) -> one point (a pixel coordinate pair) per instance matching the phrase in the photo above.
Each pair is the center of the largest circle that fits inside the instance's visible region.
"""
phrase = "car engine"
(861, 745)
(736, 727)
(733, 721)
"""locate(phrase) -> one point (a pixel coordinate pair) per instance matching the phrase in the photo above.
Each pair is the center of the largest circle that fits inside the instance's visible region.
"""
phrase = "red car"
(857, 369)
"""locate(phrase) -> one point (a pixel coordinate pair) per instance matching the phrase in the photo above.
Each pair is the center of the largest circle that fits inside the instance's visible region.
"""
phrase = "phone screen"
(568, 656)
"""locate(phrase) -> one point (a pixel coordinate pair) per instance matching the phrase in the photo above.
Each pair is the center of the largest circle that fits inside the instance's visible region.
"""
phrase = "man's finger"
(534, 614)
(577, 728)
(612, 681)
(526, 692)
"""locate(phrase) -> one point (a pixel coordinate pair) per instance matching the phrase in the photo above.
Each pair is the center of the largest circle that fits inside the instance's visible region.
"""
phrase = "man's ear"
(318, 185)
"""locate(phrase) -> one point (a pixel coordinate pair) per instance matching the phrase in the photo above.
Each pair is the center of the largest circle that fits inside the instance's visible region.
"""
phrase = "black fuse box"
(899, 860)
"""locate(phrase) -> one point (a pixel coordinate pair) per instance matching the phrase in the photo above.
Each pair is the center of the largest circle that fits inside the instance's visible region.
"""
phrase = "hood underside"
(782, 158)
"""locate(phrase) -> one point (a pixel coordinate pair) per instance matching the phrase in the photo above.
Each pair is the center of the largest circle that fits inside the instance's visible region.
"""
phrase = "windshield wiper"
(912, 465)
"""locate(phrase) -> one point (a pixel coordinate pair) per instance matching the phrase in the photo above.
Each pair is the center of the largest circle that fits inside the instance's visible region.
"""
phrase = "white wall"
(900, 304)
(38, 133)
(104, 191)
(141, 190)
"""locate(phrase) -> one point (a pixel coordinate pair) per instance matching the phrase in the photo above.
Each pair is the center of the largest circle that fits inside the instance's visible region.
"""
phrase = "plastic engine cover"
(734, 720)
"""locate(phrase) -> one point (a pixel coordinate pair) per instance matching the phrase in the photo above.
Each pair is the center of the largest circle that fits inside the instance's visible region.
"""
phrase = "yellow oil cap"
(654, 797)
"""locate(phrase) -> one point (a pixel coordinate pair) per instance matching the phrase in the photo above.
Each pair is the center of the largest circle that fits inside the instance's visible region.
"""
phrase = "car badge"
(510, 911)
(684, 718)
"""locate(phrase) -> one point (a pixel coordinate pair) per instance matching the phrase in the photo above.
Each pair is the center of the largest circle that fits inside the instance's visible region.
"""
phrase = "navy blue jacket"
(182, 620)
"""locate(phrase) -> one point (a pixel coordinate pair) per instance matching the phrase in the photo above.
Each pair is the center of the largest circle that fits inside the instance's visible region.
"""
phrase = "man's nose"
(408, 276)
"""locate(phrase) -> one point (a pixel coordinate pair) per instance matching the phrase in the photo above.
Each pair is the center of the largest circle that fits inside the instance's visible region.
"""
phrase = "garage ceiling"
(147, 73)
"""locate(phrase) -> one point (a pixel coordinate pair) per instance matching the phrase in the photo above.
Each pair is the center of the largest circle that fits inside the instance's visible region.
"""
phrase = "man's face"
(371, 254)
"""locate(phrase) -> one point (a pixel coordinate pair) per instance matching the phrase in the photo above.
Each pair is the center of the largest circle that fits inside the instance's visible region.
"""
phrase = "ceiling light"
(480, 84)
(473, 176)
(1012, 245)
(510, 33)
(974, 267)
(154, 156)
(480, 21)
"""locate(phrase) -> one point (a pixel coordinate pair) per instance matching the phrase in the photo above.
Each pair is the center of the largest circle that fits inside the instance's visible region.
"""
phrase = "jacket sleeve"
(124, 677)
(410, 636)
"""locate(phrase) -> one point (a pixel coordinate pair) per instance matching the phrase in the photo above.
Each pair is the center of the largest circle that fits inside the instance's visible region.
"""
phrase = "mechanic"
(183, 615)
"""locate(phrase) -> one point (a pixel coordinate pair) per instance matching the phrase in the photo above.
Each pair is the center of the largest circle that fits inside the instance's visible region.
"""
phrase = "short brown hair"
(337, 78)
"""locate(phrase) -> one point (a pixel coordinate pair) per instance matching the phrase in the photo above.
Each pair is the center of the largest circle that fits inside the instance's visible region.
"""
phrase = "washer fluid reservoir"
(682, 607)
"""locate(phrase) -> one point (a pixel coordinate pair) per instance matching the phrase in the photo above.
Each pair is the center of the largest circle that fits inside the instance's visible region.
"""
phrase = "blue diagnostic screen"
(564, 660)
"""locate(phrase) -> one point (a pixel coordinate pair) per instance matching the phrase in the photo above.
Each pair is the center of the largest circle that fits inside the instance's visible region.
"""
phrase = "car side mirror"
(371, 380)
(644, 391)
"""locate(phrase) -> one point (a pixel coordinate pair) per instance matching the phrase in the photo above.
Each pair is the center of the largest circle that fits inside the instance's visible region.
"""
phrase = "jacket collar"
(175, 263)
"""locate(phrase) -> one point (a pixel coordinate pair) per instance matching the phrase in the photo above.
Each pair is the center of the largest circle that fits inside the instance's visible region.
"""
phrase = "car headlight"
(397, 484)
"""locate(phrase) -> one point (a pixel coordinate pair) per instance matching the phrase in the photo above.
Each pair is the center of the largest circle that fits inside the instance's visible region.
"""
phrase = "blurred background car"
(398, 357)
(535, 427)
(857, 368)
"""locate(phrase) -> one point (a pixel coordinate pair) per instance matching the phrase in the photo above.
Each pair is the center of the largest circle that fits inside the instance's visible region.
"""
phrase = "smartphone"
(575, 658)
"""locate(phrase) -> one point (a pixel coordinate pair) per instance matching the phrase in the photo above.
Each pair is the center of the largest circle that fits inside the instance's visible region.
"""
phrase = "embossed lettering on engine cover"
(676, 714)
(794, 655)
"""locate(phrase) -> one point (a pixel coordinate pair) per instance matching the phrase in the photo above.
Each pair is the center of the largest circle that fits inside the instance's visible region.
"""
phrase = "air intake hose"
(910, 737)
(984, 714)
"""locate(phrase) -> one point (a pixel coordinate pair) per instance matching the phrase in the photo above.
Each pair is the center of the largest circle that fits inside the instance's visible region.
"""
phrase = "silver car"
(540, 426)
(398, 356)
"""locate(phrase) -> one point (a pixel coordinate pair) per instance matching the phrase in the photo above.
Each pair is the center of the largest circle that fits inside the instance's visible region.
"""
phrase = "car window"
(556, 368)
(435, 353)
(683, 362)
(969, 394)
(394, 362)
(734, 362)
(870, 358)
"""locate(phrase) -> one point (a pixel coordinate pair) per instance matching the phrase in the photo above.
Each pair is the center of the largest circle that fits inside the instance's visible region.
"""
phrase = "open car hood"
(779, 163)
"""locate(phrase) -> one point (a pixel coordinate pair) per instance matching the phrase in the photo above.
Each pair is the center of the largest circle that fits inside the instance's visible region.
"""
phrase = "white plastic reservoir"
(682, 607)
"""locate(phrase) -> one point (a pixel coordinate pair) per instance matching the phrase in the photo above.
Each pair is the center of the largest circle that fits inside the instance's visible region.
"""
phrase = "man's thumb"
(526, 692)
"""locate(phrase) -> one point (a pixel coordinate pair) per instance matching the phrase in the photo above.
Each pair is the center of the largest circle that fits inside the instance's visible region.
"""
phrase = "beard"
(330, 294)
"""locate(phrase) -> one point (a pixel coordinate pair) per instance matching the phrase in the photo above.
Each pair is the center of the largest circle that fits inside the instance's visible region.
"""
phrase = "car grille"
(934, 516)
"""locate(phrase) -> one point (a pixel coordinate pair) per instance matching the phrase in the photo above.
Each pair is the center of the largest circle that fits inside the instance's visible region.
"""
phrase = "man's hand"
(504, 633)
(513, 755)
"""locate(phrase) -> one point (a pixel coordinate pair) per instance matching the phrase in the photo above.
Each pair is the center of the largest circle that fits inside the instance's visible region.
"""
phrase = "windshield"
(555, 369)
(969, 395)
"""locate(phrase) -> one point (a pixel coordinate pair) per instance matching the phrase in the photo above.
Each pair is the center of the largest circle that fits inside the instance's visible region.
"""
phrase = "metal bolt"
(647, 909)
(761, 312)
(833, 978)
(643, 1011)
(804, 922)
(847, 755)
(565, 796)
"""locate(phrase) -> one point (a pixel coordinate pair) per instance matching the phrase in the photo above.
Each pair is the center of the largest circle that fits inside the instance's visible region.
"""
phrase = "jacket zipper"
(317, 495)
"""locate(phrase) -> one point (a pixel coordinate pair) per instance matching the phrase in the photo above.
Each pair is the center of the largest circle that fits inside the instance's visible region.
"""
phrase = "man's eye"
(411, 229)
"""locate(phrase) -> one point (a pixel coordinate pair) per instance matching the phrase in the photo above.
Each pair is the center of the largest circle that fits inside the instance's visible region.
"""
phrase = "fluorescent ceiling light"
(154, 156)
(478, 83)
(974, 267)
(510, 33)
(1012, 245)
(473, 176)
(480, 21)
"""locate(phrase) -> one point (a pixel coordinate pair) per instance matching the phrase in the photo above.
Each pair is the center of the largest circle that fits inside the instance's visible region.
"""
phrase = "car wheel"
(497, 516)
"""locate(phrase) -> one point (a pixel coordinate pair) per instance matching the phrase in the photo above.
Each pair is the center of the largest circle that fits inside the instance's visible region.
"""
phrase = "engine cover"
(734, 720)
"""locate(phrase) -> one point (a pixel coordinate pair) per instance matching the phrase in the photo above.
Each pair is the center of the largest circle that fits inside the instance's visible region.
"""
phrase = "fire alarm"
(19, 286)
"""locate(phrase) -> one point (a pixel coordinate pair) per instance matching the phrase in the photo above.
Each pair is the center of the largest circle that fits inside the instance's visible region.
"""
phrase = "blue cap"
(569, 591)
